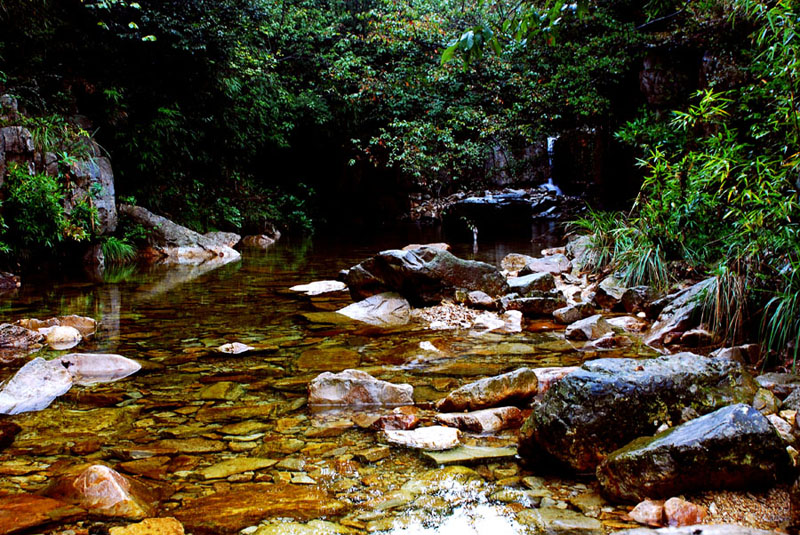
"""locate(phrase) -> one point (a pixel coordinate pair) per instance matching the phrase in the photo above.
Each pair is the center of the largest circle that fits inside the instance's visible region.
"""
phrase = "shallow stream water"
(191, 408)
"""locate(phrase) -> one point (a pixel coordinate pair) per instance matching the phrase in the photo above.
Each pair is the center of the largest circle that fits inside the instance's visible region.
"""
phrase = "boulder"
(61, 337)
(34, 386)
(590, 328)
(634, 300)
(461, 455)
(608, 341)
(479, 299)
(171, 243)
(551, 375)
(383, 310)
(259, 241)
(628, 324)
(731, 448)
(18, 337)
(579, 249)
(780, 384)
(517, 387)
(483, 421)
(543, 304)
(792, 401)
(103, 491)
(766, 402)
(94, 179)
(680, 312)
(354, 387)
(746, 354)
(577, 420)
(525, 285)
(572, 313)
(515, 262)
(433, 438)
(557, 263)
(90, 368)
(226, 239)
(424, 276)
(609, 293)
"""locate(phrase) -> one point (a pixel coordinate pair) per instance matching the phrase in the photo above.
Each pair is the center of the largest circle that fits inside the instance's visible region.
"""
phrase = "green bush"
(34, 214)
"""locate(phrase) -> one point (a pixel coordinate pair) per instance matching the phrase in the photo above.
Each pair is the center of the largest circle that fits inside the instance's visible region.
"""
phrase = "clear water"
(171, 319)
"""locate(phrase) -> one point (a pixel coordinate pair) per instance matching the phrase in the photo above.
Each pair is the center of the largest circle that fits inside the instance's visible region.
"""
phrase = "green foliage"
(720, 191)
(118, 251)
(781, 318)
(35, 216)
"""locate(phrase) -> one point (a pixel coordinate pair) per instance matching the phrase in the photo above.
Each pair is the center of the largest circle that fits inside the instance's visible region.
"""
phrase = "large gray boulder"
(607, 403)
(171, 243)
(424, 276)
(93, 179)
(732, 448)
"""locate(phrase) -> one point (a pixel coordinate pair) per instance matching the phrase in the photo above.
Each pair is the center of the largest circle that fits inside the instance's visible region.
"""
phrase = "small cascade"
(550, 185)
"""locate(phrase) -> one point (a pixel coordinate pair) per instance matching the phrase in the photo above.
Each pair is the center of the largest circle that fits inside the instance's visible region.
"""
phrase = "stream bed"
(227, 443)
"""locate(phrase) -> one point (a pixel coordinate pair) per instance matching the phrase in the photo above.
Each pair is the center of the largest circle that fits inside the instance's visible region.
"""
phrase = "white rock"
(428, 346)
(91, 368)
(61, 337)
(319, 287)
(34, 386)
(384, 310)
(234, 348)
(435, 438)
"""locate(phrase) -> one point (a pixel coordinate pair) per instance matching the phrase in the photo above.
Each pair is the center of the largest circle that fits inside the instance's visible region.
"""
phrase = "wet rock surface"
(173, 243)
(734, 447)
(679, 312)
(577, 419)
(518, 386)
(229, 512)
(353, 387)
(424, 276)
(384, 310)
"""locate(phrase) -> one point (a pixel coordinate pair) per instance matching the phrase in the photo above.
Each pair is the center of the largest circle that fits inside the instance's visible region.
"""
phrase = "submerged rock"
(20, 512)
(258, 241)
(234, 348)
(519, 386)
(555, 521)
(248, 504)
(150, 526)
(354, 387)
(383, 310)
(734, 447)
(578, 419)
(470, 454)
(34, 386)
(424, 276)
(433, 438)
(103, 491)
(91, 368)
(483, 421)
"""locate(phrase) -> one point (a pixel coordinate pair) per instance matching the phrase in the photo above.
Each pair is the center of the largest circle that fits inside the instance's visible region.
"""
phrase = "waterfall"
(550, 185)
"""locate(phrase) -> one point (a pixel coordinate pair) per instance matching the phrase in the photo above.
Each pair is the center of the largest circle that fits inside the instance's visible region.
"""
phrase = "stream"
(191, 408)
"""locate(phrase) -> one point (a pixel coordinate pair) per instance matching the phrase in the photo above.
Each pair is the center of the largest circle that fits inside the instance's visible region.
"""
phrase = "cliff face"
(90, 176)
